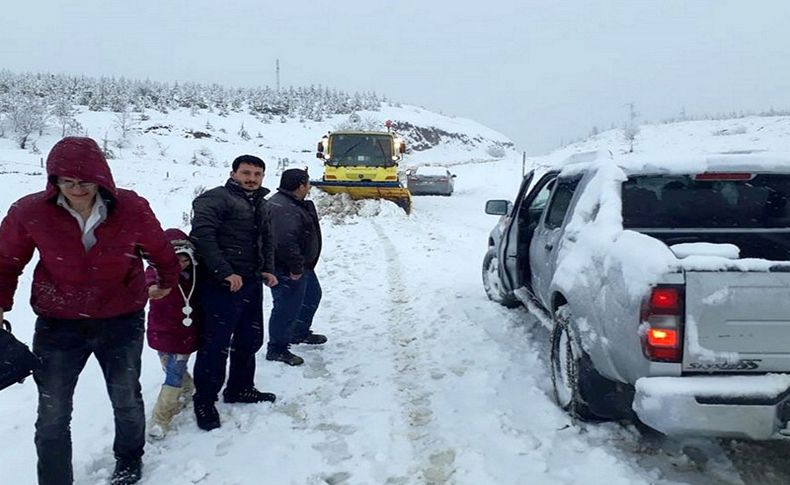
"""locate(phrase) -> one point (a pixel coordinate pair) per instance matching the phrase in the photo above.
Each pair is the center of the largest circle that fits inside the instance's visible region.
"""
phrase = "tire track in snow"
(433, 459)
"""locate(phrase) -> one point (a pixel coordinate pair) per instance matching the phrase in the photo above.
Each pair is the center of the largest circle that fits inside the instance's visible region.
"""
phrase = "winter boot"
(187, 389)
(284, 356)
(311, 339)
(167, 406)
(127, 471)
(207, 416)
(250, 395)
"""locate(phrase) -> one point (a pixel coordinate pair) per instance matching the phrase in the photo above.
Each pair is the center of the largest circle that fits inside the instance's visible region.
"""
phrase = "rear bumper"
(751, 407)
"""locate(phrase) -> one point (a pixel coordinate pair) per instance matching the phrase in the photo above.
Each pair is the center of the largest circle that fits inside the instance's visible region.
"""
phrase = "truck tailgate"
(737, 322)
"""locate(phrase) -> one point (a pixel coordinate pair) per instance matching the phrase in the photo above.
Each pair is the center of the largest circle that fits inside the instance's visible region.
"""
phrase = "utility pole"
(278, 75)
(523, 163)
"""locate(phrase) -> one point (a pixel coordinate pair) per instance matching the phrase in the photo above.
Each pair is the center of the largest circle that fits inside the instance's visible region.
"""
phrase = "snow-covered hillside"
(423, 379)
(205, 139)
(753, 134)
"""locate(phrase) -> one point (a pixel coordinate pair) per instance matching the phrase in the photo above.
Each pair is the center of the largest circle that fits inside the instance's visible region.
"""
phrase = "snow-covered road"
(423, 380)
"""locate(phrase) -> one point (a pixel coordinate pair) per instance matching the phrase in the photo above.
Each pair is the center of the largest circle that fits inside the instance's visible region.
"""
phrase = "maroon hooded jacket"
(69, 282)
(166, 331)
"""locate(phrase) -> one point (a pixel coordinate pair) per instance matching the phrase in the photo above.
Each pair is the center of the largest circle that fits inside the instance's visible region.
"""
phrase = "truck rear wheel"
(492, 282)
(578, 388)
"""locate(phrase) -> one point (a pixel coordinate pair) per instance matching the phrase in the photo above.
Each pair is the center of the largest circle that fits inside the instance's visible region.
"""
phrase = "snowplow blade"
(392, 191)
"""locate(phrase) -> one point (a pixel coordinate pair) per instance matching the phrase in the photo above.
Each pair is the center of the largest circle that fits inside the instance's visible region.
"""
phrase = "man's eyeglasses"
(73, 184)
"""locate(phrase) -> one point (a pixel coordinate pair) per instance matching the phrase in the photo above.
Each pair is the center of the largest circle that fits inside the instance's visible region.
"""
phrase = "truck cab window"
(531, 210)
(560, 201)
(540, 200)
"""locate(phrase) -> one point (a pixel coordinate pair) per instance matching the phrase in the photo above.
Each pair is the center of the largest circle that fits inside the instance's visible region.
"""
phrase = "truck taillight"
(662, 320)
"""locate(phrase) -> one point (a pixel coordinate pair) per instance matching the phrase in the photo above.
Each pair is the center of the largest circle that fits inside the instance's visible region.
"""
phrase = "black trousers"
(64, 347)
(232, 325)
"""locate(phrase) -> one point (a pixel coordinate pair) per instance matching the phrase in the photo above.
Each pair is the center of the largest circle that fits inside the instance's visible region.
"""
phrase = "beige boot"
(166, 407)
(187, 389)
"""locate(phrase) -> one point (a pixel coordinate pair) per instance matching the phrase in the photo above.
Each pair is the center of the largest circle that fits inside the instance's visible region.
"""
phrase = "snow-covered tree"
(117, 94)
(496, 151)
(243, 134)
(27, 115)
(125, 121)
(631, 128)
(65, 113)
(203, 156)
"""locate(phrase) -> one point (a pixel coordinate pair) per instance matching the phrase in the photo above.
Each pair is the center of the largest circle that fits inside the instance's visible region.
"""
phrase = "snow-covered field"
(423, 380)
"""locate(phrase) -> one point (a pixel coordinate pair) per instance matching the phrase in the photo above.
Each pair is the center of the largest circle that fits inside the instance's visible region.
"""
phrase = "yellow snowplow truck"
(364, 165)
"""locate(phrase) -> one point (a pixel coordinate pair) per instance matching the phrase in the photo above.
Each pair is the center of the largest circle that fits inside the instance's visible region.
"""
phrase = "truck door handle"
(549, 246)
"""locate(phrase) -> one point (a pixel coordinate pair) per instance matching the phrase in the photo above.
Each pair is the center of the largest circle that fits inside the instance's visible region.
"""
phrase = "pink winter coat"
(166, 331)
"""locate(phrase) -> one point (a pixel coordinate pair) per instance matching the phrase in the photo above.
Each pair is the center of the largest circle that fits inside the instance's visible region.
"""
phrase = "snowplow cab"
(364, 165)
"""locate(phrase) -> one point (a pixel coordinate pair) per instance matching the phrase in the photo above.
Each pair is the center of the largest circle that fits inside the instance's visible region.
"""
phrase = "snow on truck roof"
(633, 164)
(431, 170)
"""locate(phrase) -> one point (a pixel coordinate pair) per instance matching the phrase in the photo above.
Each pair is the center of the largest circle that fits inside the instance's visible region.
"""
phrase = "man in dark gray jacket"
(232, 234)
(297, 237)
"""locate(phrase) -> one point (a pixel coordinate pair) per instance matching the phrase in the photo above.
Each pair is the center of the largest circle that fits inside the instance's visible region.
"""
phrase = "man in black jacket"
(297, 238)
(232, 234)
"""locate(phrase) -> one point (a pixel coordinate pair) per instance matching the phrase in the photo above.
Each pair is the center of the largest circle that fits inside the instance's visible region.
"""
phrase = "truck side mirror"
(319, 155)
(320, 148)
(497, 207)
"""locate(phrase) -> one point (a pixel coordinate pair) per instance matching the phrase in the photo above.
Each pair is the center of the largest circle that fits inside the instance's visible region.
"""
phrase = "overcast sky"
(538, 71)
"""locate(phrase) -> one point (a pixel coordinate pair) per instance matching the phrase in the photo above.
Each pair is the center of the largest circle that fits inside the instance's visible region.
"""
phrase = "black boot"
(207, 416)
(311, 339)
(284, 356)
(250, 395)
(127, 471)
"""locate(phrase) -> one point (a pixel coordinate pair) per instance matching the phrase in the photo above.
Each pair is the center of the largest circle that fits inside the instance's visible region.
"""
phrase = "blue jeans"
(175, 367)
(64, 347)
(232, 325)
(295, 303)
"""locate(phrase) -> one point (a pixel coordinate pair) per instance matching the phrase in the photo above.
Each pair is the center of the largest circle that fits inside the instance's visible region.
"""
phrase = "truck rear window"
(664, 201)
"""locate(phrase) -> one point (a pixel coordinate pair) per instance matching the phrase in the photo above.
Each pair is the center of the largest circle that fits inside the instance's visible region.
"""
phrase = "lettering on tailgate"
(742, 364)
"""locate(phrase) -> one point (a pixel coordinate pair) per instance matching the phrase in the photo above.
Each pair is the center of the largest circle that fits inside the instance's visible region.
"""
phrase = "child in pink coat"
(173, 332)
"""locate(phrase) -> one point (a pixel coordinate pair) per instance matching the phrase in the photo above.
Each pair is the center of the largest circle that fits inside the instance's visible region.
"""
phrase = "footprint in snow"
(293, 410)
(338, 478)
(351, 387)
(316, 368)
(224, 447)
(344, 429)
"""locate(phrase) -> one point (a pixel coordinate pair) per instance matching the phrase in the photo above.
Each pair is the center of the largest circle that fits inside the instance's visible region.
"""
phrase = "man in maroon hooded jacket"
(89, 291)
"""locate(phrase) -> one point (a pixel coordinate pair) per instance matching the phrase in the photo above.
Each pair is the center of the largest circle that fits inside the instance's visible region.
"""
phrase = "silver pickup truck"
(667, 285)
